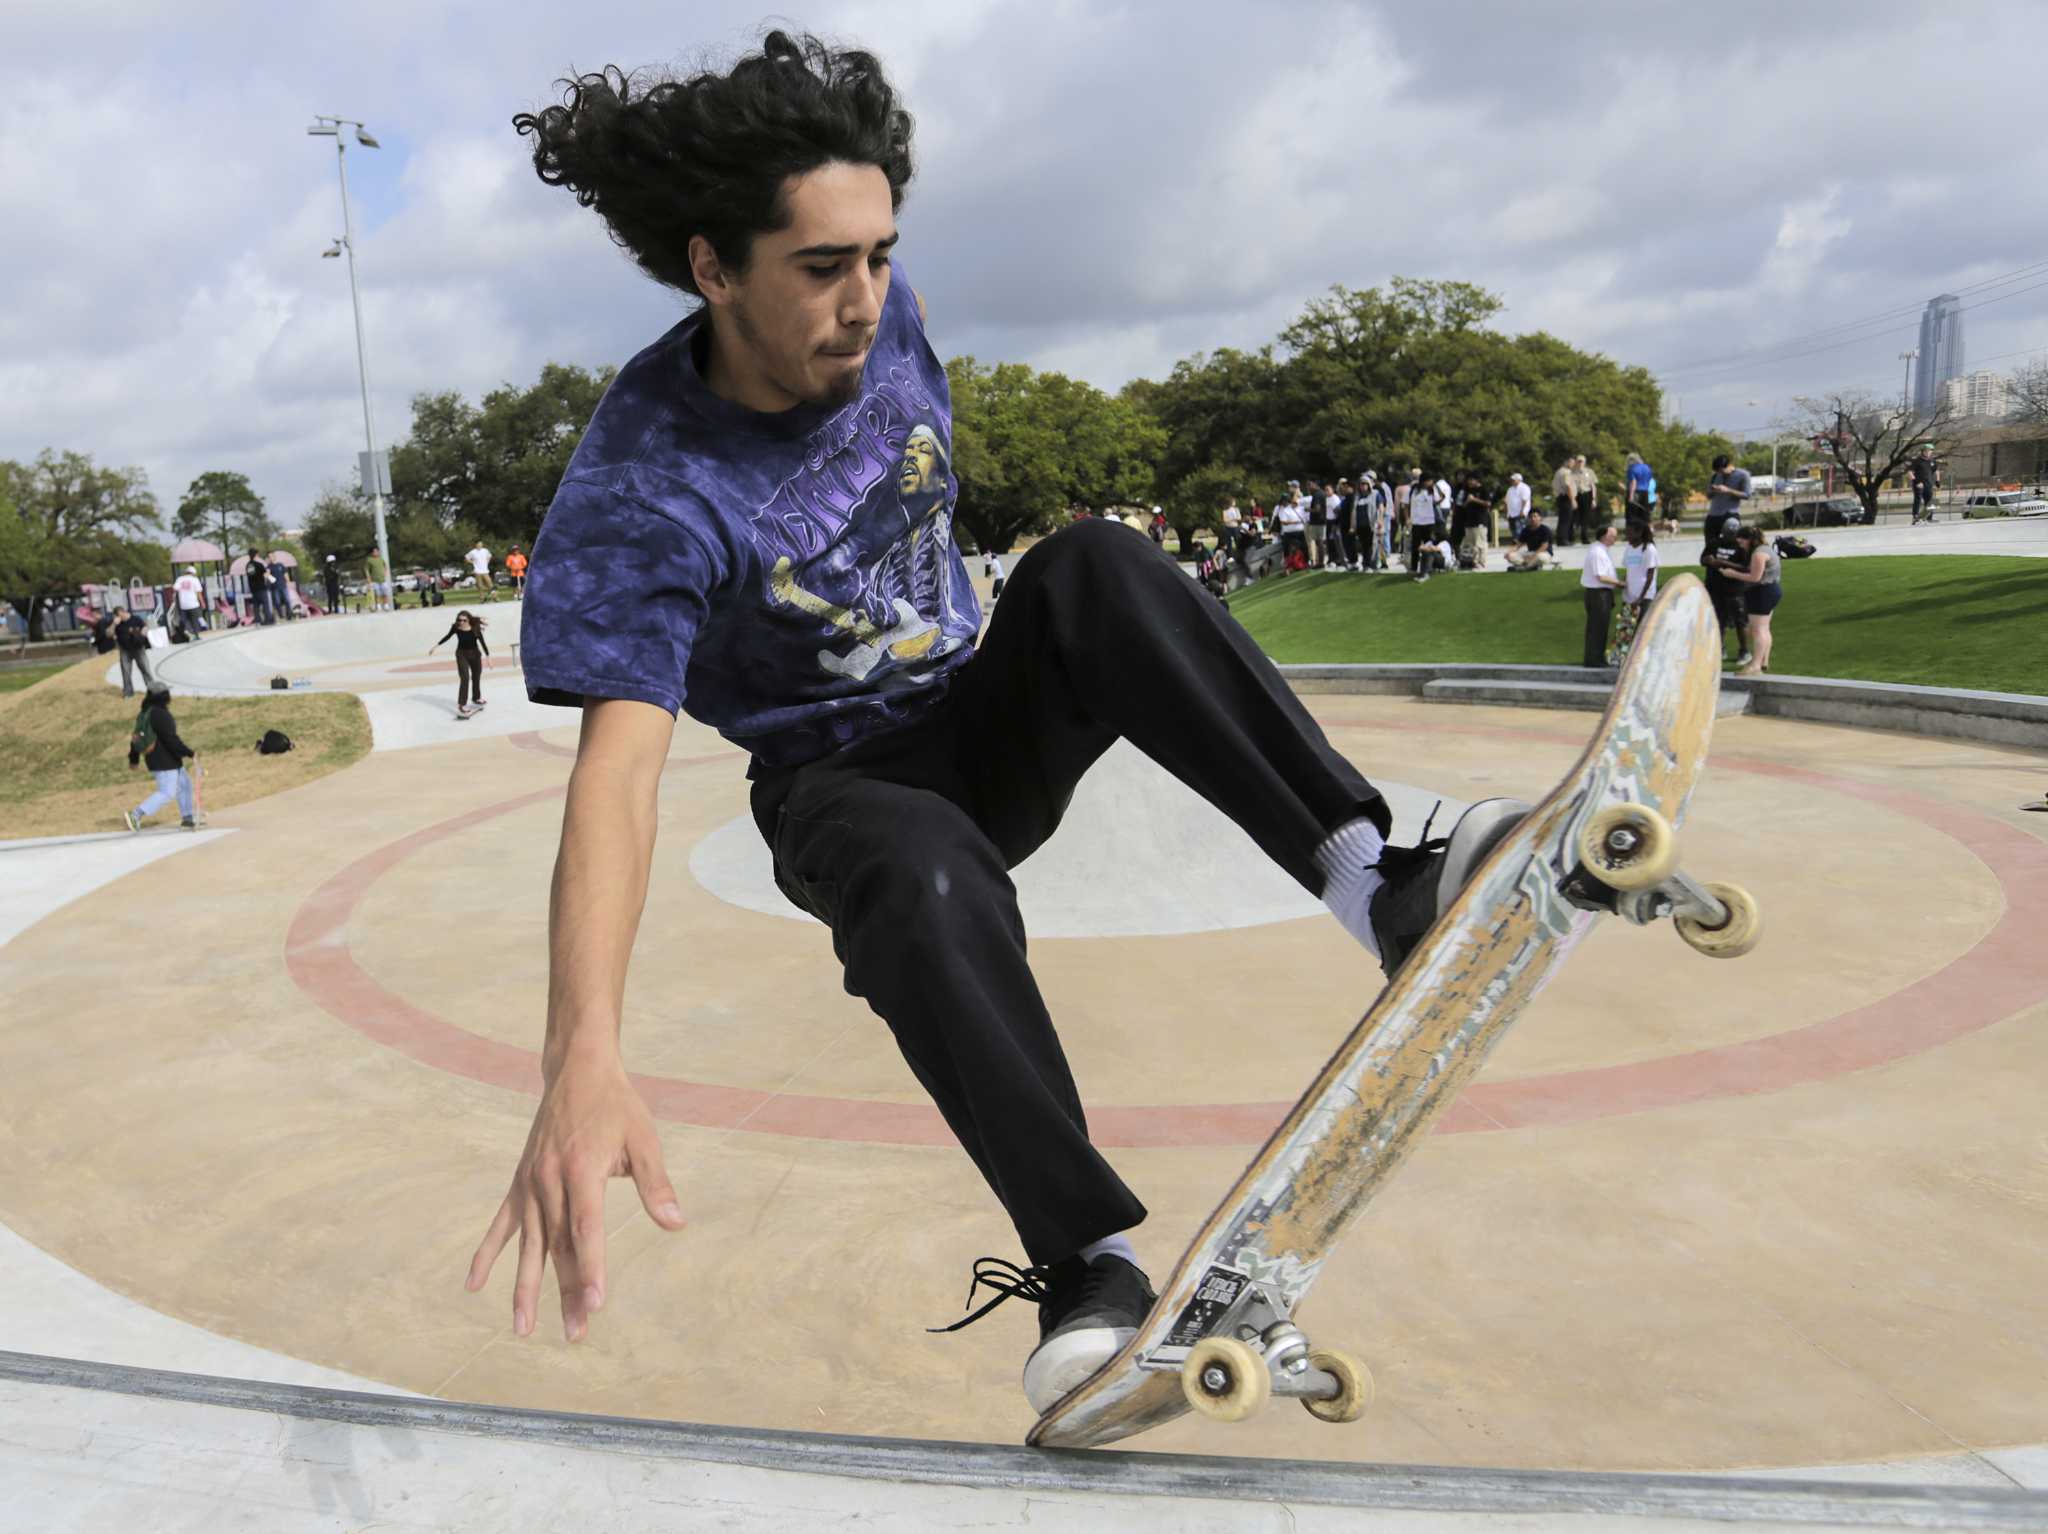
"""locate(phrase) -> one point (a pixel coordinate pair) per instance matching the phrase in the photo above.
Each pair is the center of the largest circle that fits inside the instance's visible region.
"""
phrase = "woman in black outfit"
(472, 654)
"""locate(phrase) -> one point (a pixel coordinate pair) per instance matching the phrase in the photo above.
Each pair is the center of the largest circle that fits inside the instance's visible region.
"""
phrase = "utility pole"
(1906, 388)
(330, 127)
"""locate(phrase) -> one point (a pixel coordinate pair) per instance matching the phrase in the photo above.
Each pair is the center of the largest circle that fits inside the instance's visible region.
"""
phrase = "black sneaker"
(1087, 1311)
(1424, 879)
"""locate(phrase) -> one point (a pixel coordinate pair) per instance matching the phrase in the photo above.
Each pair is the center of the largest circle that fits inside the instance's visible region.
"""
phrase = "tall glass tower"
(1941, 349)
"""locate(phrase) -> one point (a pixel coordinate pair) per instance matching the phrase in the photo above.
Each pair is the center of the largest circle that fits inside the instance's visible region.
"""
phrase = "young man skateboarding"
(779, 467)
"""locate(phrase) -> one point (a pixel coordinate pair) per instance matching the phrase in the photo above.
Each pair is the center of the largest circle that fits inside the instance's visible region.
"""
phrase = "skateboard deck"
(1491, 950)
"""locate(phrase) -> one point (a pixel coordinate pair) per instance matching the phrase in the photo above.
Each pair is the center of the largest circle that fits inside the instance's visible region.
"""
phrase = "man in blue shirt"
(777, 472)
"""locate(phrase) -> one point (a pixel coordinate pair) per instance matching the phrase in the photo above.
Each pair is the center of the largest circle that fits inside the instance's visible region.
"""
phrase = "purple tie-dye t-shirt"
(790, 580)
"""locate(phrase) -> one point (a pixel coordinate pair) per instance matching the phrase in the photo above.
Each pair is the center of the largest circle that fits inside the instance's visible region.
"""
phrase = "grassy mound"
(1948, 620)
(64, 749)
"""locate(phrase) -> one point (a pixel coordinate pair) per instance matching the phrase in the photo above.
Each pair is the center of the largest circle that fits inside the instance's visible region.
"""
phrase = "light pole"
(1758, 405)
(1906, 388)
(330, 127)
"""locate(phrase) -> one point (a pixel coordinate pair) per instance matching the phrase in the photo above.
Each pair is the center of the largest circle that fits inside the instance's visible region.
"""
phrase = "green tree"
(64, 522)
(1195, 504)
(339, 523)
(491, 468)
(1028, 446)
(1867, 439)
(221, 507)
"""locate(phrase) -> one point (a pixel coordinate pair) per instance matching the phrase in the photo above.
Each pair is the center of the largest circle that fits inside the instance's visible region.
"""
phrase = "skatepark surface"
(263, 1087)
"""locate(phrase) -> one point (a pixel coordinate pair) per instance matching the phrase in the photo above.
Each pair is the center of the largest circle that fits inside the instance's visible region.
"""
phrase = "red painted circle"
(1999, 976)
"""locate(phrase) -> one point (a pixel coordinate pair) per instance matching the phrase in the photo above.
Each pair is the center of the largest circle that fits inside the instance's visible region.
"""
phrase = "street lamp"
(1758, 405)
(1906, 388)
(330, 127)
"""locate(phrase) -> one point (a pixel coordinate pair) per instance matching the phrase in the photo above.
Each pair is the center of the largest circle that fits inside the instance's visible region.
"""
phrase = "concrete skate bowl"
(383, 658)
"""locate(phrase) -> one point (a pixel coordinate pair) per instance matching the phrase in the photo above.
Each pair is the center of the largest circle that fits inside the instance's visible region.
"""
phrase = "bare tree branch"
(2030, 393)
(1869, 439)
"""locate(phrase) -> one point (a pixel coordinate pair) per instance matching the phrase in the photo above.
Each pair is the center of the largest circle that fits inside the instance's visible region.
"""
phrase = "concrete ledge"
(1542, 1496)
(1954, 713)
(1576, 695)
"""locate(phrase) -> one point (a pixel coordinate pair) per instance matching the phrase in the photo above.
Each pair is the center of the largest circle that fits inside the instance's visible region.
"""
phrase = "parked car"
(2003, 503)
(1796, 487)
(1835, 511)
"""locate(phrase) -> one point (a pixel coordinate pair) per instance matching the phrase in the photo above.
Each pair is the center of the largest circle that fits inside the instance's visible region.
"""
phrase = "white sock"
(1349, 880)
(1118, 1245)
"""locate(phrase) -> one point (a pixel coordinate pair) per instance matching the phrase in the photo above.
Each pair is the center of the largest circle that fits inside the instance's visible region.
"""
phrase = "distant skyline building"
(1941, 349)
(1983, 395)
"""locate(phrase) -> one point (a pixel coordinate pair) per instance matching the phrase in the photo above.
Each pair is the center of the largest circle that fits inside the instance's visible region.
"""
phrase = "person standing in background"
(1517, 507)
(479, 559)
(131, 638)
(191, 603)
(515, 569)
(1925, 474)
(1586, 495)
(1564, 499)
(379, 576)
(1598, 583)
(257, 574)
(330, 574)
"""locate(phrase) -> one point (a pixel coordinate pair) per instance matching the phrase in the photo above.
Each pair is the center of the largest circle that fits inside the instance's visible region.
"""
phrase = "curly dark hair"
(663, 160)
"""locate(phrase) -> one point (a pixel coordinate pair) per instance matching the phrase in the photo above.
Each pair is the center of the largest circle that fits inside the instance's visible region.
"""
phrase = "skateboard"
(1222, 1339)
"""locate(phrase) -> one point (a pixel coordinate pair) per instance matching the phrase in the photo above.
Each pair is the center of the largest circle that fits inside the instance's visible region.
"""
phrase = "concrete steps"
(1517, 692)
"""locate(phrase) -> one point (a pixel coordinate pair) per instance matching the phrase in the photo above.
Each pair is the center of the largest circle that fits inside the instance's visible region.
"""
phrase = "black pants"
(1589, 523)
(469, 675)
(903, 843)
(1567, 519)
(1599, 617)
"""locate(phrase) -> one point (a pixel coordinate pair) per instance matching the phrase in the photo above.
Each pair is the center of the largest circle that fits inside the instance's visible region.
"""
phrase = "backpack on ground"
(279, 684)
(1789, 547)
(274, 743)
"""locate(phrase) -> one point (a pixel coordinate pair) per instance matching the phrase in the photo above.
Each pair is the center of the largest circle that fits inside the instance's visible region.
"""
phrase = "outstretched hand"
(591, 1126)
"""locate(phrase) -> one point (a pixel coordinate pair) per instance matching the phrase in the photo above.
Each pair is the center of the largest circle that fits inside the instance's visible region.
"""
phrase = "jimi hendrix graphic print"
(791, 580)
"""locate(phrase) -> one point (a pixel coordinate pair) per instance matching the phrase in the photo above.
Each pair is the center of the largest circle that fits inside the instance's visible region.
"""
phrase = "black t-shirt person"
(1536, 538)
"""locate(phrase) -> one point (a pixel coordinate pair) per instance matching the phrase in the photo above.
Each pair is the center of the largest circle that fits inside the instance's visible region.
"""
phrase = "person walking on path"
(1639, 490)
(901, 767)
(191, 603)
(155, 742)
(330, 576)
(472, 655)
(480, 566)
(515, 571)
(1639, 587)
(1757, 569)
(1925, 474)
(131, 638)
(1598, 583)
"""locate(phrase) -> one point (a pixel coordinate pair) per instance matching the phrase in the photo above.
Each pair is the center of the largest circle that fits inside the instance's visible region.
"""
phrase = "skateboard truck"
(1257, 1353)
(1628, 864)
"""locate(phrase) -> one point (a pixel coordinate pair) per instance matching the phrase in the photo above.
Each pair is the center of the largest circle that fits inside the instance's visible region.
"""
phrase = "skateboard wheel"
(1629, 847)
(1354, 1388)
(1734, 937)
(1225, 1380)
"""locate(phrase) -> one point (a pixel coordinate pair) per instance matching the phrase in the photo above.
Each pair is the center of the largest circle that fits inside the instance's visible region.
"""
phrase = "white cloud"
(1101, 189)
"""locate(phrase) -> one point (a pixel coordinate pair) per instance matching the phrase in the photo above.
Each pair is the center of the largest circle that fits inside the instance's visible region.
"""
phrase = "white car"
(2003, 503)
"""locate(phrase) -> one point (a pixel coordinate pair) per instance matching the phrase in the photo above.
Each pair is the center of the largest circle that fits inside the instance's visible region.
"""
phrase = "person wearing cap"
(1727, 493)
(330, 577)
(515, 571)
(1517, 505)
(191, 603)
(131, 638)
(155, 743)
(257, 573)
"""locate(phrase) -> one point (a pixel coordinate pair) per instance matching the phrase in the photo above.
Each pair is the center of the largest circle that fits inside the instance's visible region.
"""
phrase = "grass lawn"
(15, 678)
(64, 749)
(1946, 620)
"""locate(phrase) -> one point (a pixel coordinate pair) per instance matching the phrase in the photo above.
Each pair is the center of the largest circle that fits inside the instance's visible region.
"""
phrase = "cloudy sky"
(1750, 198)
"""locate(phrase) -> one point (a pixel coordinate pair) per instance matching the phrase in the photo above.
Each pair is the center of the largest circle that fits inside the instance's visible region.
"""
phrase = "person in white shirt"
(1233, 527)
(1598, 583)
(1433, 553)
(1423, 511)
(992, 566)
(1639, 588)
(191, 602)
(1517, 507)
(480, 566)
(1290, 519)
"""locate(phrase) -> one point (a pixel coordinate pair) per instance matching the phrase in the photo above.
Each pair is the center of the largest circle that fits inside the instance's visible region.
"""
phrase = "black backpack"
(274, 743)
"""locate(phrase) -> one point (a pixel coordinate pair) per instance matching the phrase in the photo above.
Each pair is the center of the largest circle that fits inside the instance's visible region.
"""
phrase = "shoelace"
(1009, 1281)
(1398, 862)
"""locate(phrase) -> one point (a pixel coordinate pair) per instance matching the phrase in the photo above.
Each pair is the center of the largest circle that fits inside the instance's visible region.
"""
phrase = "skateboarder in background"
(472, 655)
(750, 462)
